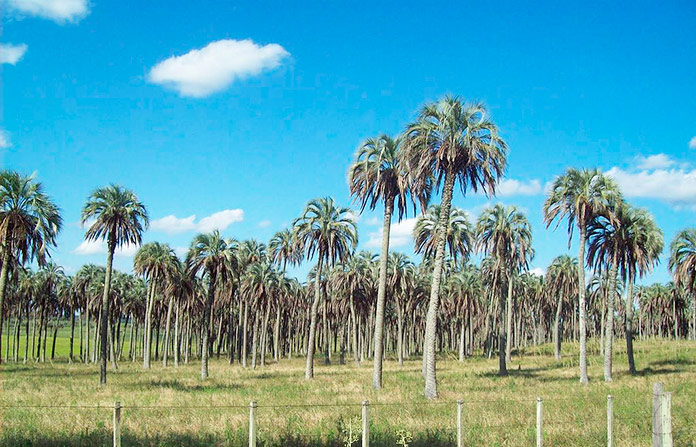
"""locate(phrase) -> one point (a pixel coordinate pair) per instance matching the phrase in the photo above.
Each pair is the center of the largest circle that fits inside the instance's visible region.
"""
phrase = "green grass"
(497, 411)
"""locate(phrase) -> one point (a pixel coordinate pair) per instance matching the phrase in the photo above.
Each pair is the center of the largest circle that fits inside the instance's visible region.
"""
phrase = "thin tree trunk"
(3, 285)
(105, 311)
(206, 325)
(147, 332)
(629, 326)
(430, 339)
(381, 295)
(508, 322)
(581, 302)
(609, 329)
(309, 367)
(167, 330)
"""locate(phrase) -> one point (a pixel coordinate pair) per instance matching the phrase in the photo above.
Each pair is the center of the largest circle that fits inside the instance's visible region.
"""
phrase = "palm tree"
(283, 251)
(216, 259)
(117, 216)
(330, 232)
(505, 235)
(562, 281)
(376, 176)
(579, 196)
(682, 264)
(458, 242)
(157, 262)
(642, 242)
(29, 224)
(450, 142)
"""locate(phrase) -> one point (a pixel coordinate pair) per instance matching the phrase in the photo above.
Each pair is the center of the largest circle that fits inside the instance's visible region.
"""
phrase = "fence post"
(365, 424)
(658, 388)
(460, 434)
(610, 420)
(252, 424)
(539, 428)
(117, 424)
(666, 416)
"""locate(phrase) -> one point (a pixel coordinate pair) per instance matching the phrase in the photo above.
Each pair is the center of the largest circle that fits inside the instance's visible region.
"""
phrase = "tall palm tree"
(375, 176)
(29, 224)
(329, 232)
(505, 235)
(283, 251)
(157, 262)
(215, 258)
(450, 142)
(562, 281)
(682, 264)
(642, 242)
(117, 216)
(579, 196)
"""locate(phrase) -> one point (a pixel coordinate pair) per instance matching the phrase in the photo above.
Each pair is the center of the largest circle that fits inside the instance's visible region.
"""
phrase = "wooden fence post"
(610, 420)
(658, 388)
(365, 424)
(117, 424)
(252, 424)
(460, 434)
(666, 416)
(539, 427)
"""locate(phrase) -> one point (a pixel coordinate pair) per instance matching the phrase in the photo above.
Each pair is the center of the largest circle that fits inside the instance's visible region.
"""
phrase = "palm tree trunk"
(309, 367)
(400, 332)
(434, 301)
(3, 285)
(264, 333)
(165, 355)
(508, 323)
(245, 332)
(502, 329)
(177, 343)
(609, 329)
(557, 328)
(147, 332)
(254, 338)
(629, 326)
(354, 330)
(105, 312)
(381, 295)
(206, 325)
(276, 335)
(72, 333)
(581, 302)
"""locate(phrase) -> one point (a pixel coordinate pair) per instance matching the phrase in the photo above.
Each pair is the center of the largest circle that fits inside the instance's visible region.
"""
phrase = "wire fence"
(536, 421)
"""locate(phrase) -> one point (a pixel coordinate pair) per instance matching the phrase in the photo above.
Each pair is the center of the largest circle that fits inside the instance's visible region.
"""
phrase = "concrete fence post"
(610, 420)
(460, 434)
(252, 424)
(117, 424)
(666, 416)
(365, 424)
(539, 424)
(658, 389)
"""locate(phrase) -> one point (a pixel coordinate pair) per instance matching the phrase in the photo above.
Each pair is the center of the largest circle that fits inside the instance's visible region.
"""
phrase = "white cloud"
(216, 221)
(11, 54)
(657, 161)
(400, 234)
(352, 215)
(674, 186)
(264, 224)
(60, 11)
(512, 187)
(692, 143)
(99, 247)
(216, 66)
(172, 224)
(4, 139)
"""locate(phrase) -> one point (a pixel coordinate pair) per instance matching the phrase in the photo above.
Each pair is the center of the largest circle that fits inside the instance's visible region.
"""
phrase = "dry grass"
(498, 411)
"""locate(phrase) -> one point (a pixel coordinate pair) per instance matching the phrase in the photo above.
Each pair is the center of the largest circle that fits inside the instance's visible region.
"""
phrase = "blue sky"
(239, 114)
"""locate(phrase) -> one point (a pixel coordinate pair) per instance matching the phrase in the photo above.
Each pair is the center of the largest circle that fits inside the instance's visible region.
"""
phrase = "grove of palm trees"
(426, 329)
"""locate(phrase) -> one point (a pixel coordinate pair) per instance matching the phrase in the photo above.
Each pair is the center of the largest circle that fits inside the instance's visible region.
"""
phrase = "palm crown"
(118, 216)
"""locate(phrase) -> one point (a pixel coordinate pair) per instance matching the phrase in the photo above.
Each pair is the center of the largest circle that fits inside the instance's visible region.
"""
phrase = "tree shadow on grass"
(530, 373)
(177, 385)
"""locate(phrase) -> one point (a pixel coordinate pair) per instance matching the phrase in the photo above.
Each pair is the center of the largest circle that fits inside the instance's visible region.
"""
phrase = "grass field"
(172, 407)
